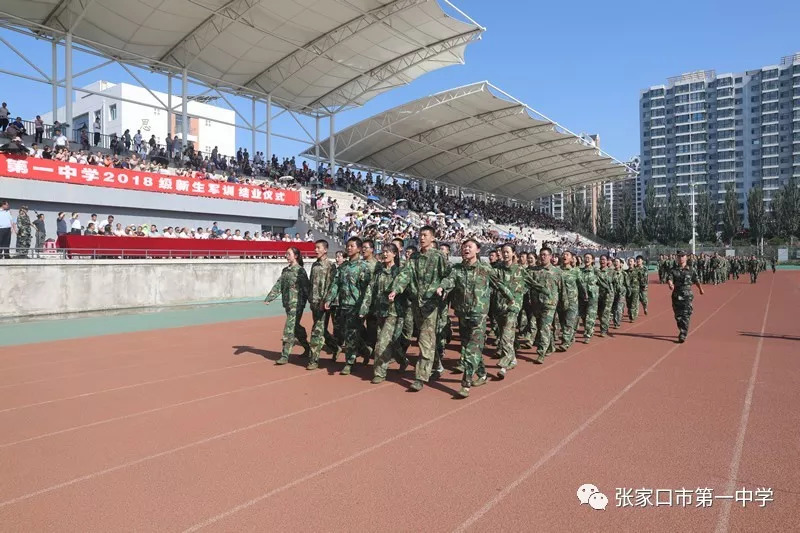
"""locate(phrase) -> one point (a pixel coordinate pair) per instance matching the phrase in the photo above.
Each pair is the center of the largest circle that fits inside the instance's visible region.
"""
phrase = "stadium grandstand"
(468, 161)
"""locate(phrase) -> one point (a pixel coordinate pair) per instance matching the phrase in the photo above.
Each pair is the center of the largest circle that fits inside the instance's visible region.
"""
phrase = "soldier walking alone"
(680, 279)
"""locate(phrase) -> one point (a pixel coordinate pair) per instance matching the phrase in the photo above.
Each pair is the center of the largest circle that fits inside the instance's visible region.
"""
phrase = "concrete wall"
(68, 286)
(141, 207)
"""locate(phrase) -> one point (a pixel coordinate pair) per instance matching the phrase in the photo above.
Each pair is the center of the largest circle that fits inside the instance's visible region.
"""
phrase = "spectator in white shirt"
(60, 140)
(201, 234)
(168, 233)
(75, 226)
(237, 236)
(118, 231)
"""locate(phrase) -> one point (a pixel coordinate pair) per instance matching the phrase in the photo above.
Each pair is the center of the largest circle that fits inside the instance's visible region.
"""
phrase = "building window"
(208, 123)
(112, 112)
(156, 111)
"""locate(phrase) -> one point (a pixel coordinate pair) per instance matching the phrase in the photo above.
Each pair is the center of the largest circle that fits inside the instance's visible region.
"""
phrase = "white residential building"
(209, 125)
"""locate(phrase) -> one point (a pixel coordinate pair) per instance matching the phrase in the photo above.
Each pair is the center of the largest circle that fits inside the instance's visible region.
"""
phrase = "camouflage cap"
(680, 253)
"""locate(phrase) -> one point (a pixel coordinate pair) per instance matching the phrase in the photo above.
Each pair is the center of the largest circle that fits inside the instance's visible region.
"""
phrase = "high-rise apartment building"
(710, 130)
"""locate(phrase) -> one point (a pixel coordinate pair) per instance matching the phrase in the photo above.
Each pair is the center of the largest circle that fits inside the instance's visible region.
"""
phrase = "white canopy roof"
(310, 55)
(472, 137)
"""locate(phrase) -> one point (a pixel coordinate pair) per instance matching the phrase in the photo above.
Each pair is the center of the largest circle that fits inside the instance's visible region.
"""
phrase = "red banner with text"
(119, 178)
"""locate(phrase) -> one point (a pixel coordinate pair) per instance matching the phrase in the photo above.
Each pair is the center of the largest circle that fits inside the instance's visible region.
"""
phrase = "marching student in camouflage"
(410, 328)
(587, 296)
(323, 272)
(387, 313)
(517, 280)
(644, 279)
(422, 274)
(605, 300)
(546, 285)
(347, 293)
(680, 280)
(752, 269)
(715, 265)
(293, 287)
(632, 296)
(620, 288)
(568, 300)
(371, 324)
(523, 320)
(443, 327)
(472, 282)
(772, 262)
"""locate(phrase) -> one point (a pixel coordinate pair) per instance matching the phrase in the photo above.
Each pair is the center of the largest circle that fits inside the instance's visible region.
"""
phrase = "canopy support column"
(253, 129)
(184, 110)
(68, 84)
(268, 153)
(54, 79)
(332, 154)
(169, 110)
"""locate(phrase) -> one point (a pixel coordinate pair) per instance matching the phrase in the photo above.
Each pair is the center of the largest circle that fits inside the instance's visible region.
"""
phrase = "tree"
(650, 225)
(705, 217)
(603, 217)
(625, 229)
(731, 221)
(785, 220)
(671, 231)
(756, 214)
(684, 222)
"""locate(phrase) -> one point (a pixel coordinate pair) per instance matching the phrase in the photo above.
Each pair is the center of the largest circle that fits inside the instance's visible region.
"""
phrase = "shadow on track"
(769, 336)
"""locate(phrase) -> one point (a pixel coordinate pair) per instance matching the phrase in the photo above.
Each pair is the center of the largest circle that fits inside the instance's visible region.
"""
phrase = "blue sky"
(580, 63)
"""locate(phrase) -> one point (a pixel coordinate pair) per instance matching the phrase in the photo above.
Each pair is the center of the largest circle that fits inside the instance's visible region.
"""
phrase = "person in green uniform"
(370, 330)
(422, 274)
(293, 287)
(587, 296)
(347, 292)
(605, 300)
(620, 289)
(545, 286)
(472, 282)
(752, 268)
(568, 301)
(680, 281)
(388, 314)
(644, 279)
(322, 273)
(632, 296)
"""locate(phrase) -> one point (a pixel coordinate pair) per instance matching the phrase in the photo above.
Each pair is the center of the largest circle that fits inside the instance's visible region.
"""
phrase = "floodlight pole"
(68, 86)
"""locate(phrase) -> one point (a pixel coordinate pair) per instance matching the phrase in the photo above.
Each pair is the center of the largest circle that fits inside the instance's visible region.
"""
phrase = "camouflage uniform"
(605, 301)
(682, 297)
(643, 281)
(587, 299)
(471, 285)
(546, 283)
(568, 306)
(347, 293)
(632, 296)
(443, 327)
(752, 268)
(322, 275)
(371, 323)
(294, 287)
(421, 275)
(515, 279)
(23, 234)
(387, 318)
(620, 288)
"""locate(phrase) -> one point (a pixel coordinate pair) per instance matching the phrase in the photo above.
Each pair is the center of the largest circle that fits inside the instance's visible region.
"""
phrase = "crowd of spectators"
(407, 207)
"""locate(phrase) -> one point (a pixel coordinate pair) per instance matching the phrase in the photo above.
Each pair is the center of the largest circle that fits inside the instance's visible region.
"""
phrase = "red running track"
(189, 429)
